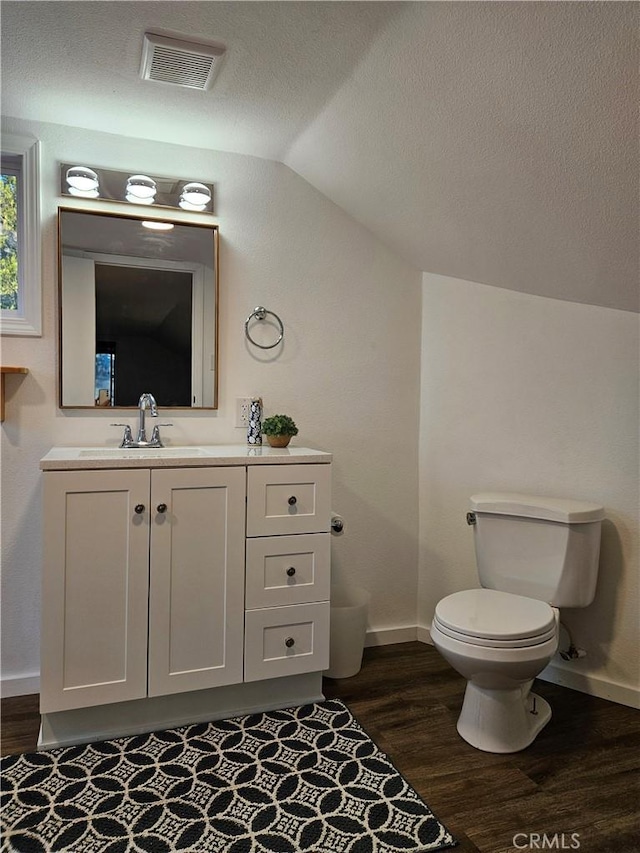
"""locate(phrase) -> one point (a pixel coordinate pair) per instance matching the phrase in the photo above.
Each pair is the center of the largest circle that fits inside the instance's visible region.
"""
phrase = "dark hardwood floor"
(577, 787)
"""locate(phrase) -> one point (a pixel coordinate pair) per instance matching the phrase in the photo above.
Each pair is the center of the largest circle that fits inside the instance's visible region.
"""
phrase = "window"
(9, 233)
(20, 272)
(105, 378)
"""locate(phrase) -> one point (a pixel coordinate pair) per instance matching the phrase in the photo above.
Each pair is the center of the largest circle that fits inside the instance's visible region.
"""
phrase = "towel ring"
(260, 313)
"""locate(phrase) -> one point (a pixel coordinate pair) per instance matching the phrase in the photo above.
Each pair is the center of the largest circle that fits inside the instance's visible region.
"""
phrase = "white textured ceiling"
(78, 63)
(495, 142)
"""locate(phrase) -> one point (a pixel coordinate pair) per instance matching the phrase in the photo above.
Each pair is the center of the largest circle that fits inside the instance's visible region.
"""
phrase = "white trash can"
(349, 608)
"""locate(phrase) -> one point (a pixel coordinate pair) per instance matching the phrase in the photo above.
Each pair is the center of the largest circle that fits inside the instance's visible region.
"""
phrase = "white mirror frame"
(27, 320)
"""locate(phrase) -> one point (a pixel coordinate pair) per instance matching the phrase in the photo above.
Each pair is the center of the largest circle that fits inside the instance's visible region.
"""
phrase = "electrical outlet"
(243, 405)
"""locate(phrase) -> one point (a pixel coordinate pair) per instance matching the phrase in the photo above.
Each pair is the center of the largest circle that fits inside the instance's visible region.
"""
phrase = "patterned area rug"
(302, 779)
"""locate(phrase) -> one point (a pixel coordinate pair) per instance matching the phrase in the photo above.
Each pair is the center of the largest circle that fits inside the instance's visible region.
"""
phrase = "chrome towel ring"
(260, 313)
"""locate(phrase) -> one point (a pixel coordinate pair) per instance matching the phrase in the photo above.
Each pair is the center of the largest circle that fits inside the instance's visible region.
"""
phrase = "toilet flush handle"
(471, 518)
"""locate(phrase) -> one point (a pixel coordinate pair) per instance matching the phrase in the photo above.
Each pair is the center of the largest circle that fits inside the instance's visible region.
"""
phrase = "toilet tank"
(544, 548)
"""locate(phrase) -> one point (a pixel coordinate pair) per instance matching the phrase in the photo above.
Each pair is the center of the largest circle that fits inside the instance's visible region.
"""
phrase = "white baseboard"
(555, 673)
(424, 634)
(388, 636)
(24, 686)
(19, 685)
(584, 682)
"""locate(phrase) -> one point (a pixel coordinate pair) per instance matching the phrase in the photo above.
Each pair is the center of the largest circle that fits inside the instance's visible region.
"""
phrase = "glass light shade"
(141, 186)
(187, 205)
(156, 225)
(82, 178)
(135, 200)
(196, 193)
(83, 193)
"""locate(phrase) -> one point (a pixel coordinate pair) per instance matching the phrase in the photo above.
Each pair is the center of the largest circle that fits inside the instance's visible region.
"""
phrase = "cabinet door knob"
(289, 642)
(139, 509)
(291, 571)
(293, 500)
(161, 507)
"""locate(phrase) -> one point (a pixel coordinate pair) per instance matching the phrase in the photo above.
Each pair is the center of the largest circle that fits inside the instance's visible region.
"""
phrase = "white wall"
(525, 393)
(517, 392)
(348, 371)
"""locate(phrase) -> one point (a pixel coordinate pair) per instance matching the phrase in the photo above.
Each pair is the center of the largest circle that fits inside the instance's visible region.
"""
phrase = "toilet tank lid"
(533, 506)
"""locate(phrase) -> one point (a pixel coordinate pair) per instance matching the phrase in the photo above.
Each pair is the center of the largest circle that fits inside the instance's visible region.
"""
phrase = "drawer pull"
(139, 509)
(289, 642)
(291, 571)
(162, 507)
(293, 500)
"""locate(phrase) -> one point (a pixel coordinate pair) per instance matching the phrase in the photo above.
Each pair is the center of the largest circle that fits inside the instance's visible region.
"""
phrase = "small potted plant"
(279, 430)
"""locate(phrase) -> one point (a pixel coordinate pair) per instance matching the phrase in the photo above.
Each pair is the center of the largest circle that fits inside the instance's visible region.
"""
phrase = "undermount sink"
(141, 452)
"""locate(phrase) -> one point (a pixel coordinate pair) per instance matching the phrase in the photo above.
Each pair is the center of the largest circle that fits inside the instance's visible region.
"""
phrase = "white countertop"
(92, 458)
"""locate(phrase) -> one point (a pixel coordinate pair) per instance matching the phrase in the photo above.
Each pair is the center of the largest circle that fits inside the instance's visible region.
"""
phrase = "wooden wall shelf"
(3, 372)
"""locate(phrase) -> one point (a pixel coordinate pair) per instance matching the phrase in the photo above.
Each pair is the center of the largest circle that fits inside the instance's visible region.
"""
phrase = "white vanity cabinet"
(177, 590)
(143, 583)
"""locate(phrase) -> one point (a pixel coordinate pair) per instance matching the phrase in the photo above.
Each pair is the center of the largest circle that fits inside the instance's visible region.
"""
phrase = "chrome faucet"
(146, 401)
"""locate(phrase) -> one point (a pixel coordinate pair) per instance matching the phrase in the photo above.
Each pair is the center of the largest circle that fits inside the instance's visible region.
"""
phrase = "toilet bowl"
(499, 642)
(534, 555)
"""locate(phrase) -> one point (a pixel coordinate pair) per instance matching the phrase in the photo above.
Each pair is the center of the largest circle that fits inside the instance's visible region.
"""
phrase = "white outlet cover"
(243, 405)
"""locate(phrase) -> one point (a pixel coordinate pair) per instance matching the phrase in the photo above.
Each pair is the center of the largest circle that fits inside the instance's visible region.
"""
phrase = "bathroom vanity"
(181, 585)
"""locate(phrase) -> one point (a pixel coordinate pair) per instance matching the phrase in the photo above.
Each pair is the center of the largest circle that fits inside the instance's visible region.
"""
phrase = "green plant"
(279, 425)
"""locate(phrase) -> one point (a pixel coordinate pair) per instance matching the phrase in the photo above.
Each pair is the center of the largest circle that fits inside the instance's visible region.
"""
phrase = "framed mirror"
(138, 311)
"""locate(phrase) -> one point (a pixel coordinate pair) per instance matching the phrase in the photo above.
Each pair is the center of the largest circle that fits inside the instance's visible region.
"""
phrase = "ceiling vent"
(180, 63)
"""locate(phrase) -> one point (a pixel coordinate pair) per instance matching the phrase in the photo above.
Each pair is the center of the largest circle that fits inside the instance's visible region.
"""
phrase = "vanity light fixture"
(156, 225)
(105, 185)
(82, 180)
(141, 187)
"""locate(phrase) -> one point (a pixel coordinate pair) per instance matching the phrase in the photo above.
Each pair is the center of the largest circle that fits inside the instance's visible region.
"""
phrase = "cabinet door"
(196, 598)
(95, 588)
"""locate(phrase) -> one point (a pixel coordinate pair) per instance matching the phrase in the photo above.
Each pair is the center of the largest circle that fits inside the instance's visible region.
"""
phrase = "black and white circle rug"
(301, 779)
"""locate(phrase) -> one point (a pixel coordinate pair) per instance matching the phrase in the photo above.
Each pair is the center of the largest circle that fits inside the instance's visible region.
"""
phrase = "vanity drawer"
(285, 570)
(288, 499)
(283, 641)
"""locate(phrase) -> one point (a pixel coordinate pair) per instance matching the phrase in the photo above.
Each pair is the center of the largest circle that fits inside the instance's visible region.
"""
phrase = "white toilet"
(534, 555)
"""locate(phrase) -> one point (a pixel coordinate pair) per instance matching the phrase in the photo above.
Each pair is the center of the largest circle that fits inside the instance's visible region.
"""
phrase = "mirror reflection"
(138, 311)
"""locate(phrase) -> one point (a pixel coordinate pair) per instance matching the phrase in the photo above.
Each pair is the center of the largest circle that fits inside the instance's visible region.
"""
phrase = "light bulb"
(156, 225)
(141, 186)
(135, 200)
(83, 193)
(187, 205)
(82, 178)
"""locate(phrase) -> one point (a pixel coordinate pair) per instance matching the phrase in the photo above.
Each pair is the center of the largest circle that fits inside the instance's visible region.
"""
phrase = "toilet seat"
(490, 643)
(495, 619)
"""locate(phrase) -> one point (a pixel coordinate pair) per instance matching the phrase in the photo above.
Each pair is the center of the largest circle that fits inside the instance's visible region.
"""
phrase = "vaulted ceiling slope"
(495, 142)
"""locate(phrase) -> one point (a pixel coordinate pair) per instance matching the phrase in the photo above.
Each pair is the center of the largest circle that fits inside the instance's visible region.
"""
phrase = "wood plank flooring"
(577, 787)
(579, 776)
